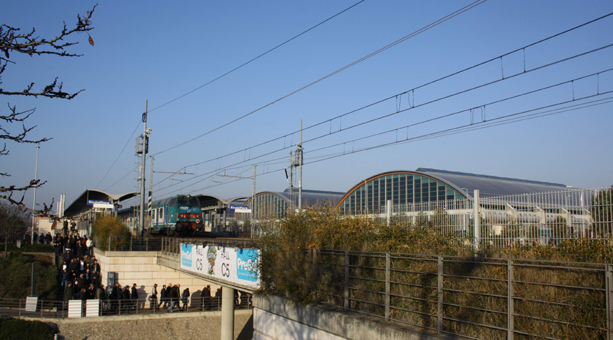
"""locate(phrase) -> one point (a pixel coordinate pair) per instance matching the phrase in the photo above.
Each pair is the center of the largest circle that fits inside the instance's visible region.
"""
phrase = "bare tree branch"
(12, 42)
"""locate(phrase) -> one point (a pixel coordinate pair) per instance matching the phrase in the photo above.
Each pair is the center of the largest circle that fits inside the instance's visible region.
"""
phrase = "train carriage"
(176, 215)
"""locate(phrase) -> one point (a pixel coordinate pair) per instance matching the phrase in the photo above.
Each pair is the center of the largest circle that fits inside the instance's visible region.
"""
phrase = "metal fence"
(474, 298)
(60, 309)
(516, 220)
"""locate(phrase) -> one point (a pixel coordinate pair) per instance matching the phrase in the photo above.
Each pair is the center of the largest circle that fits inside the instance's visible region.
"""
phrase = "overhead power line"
(329, 120)
(116, 159)
(351, 142)
(397, 111)
(507, 119)
(382, 49)
(258, 57)
(227, 73)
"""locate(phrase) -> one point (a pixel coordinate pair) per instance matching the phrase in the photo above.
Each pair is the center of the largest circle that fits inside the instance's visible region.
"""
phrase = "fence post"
(387, 286)
(510, 301)
(346, 293)
(609, 300)
(477, 219)
(439, 309)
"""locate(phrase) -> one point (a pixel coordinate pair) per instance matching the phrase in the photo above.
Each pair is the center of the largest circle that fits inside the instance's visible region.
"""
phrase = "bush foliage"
(16, 280)
(17, 329)
(303, 259)
(113, 227)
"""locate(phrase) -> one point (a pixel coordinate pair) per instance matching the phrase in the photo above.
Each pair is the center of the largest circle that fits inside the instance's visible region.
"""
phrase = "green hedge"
(15, 282)
(17, 329)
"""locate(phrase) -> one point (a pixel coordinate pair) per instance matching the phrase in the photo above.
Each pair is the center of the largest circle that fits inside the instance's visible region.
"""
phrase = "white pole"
(388, 211)
(300, 175)
(477, 218)
(142, 178)
(34, 203)
(255, 166)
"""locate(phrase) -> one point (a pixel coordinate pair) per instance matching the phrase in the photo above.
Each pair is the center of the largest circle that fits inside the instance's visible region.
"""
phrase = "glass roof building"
(426, 185)
(274, 204)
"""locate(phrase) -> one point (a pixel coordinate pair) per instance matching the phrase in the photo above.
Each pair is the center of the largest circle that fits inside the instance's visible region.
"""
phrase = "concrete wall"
(142, 268)
(165, 326)
(277, 318)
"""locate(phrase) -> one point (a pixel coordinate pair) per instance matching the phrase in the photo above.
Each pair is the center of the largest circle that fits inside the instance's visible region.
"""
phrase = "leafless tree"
(13, 221)
(14, 42)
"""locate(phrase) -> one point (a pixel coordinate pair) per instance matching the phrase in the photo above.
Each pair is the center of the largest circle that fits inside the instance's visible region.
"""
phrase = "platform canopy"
(85, 201)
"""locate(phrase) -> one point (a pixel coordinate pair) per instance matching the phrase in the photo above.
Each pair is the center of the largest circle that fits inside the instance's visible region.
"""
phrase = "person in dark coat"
(68, 292)
(48, 238)
(171, 295)
(126, 297)
(184, 298)
(206, 298)
(163, 298)
(134, 295)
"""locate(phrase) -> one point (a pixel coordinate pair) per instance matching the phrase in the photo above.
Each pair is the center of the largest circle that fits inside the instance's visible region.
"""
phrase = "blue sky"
(158, 50)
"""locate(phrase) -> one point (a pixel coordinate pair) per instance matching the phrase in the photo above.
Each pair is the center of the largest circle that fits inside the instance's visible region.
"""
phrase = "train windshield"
(188, 201)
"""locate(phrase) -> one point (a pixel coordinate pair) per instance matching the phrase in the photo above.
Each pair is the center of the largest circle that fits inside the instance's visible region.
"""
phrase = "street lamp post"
(34, 203)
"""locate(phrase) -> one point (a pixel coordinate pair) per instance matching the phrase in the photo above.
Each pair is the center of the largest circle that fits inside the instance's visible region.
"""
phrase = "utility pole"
(34, 203)
(144, 150)
(300, 173)
(150, 185)
(255, 166)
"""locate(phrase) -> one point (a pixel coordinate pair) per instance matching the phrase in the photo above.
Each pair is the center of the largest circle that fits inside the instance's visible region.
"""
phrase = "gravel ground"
(201, 327)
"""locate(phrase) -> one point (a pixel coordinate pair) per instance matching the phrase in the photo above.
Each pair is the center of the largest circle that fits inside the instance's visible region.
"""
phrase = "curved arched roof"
(80, 204)
(465, 183)
(490, 185)
(309, 197)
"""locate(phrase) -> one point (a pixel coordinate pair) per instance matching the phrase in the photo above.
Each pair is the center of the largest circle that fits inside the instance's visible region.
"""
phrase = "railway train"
(176, 215)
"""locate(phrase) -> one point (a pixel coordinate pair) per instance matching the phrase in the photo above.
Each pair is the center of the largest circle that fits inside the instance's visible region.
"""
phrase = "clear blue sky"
(159, 50)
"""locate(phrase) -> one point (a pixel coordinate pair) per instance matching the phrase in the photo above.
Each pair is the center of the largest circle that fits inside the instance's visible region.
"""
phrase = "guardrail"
(472, 297)
(61, 309)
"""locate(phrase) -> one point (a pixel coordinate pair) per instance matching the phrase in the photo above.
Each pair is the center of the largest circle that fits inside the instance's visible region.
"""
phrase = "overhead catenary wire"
(510, 119)
(372, 54)
(411, 107)
(447, 131)
(525, 71)
(227, 73)
(116, 159)
(256, 58)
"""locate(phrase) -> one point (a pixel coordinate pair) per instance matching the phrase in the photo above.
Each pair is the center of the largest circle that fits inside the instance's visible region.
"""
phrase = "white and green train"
(176, 215)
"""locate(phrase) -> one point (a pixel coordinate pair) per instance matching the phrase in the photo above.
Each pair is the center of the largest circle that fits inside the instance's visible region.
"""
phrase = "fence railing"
(60, 309)
(515, 220)
(472, 297)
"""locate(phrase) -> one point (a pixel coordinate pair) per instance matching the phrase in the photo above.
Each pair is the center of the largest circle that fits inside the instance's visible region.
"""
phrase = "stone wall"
(203, 325)
(275, 318)
(141, 267)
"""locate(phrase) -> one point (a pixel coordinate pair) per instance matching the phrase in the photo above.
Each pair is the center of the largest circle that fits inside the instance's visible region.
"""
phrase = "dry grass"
(304, 256)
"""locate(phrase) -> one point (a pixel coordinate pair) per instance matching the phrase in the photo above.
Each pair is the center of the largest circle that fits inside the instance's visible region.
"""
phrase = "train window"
(161, 213)
(153, 214)
(173, 202)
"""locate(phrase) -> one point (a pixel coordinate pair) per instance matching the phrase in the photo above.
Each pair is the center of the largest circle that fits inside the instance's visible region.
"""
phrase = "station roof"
(309, 197)
(490, 185)
(80, 204)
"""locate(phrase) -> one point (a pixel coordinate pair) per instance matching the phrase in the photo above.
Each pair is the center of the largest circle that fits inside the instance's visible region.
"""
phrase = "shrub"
(16, 282)
(113, 227)
(17, 329)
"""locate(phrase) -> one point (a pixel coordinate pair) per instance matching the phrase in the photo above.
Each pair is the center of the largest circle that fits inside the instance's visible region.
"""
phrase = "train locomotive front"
(176, 215)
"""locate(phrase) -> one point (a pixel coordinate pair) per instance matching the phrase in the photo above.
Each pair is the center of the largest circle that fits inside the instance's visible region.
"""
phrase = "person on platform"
(163, 298)
(184, 298)
(153, 298)
(134, 295)
(171, 295)
(206, 298)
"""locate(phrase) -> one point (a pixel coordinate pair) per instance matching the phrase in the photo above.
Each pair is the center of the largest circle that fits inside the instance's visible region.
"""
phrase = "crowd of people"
(81, 279)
